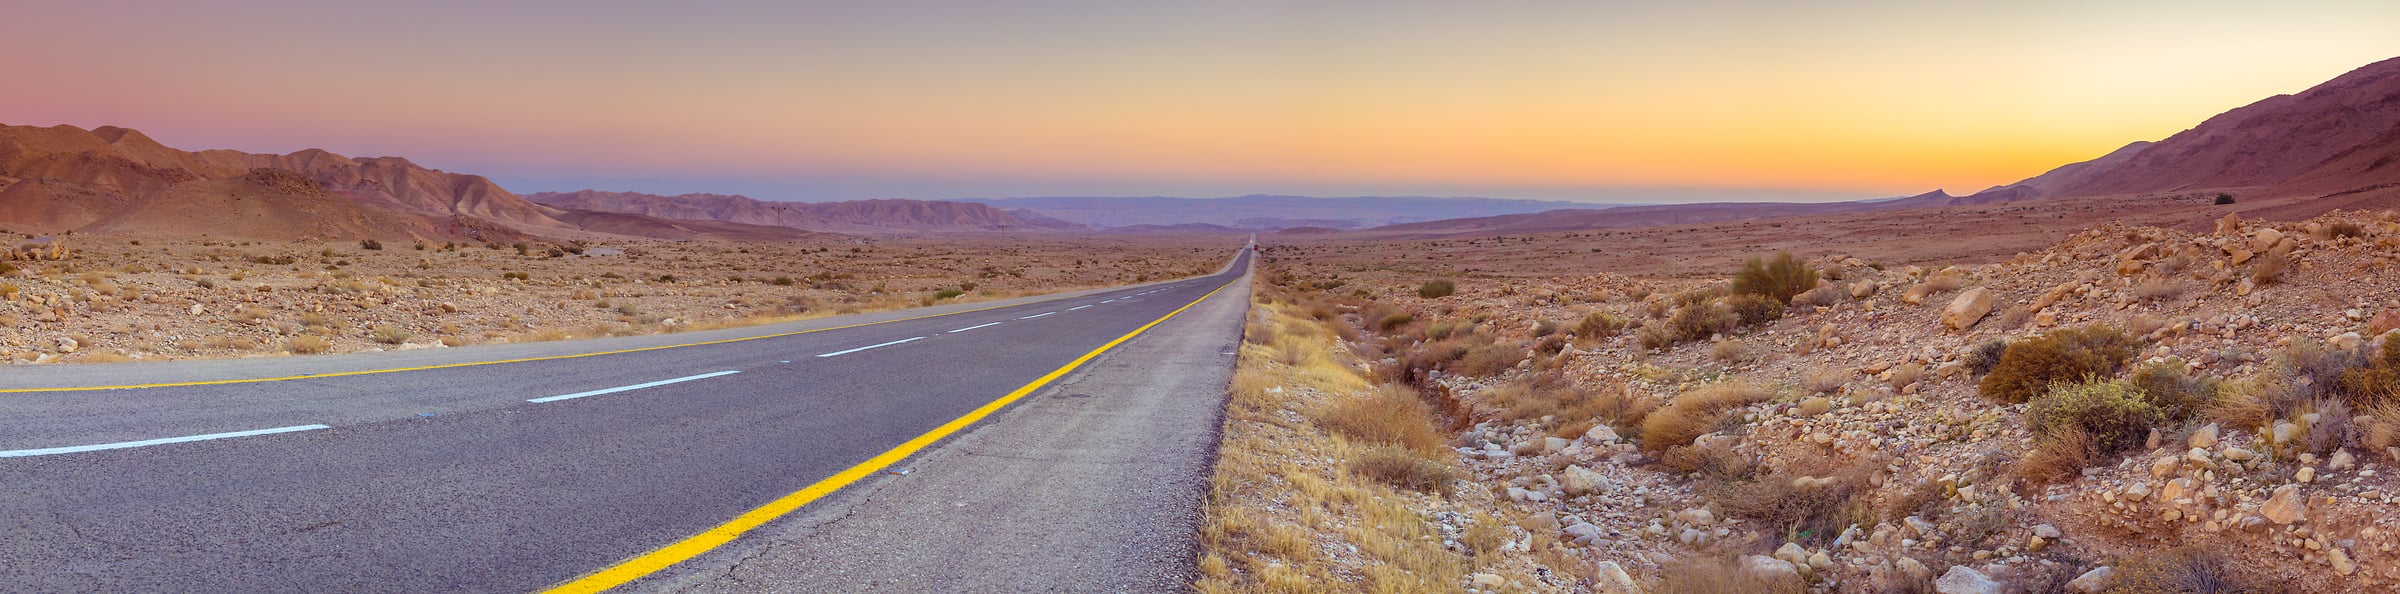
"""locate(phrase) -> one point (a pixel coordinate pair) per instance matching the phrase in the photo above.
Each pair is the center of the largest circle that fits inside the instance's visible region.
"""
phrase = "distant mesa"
(854, 217)
(1308, 231)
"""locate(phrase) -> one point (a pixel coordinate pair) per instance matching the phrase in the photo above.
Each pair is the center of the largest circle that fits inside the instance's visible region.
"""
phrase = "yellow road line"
(476, 363)
(667, 556)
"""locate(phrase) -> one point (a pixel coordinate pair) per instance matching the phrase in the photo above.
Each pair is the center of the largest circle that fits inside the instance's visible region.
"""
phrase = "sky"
(1576, 100)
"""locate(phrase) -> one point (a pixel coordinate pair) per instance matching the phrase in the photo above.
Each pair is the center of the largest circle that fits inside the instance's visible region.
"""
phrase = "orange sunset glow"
(1557, 100)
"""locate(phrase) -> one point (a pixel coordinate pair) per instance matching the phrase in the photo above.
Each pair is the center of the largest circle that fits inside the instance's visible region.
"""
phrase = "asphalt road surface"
(467, 475)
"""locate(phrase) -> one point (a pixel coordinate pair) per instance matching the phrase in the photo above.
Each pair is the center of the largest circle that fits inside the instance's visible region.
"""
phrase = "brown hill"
(63, 178)
(1630, 216)
(2339, 138)
(860, 216)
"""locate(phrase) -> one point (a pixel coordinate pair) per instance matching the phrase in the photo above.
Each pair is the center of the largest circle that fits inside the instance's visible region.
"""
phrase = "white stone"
(1609, 578)
(2096, 581)
(1964, 580)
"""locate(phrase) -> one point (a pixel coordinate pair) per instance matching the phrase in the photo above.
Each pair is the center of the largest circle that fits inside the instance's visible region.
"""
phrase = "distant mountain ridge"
(857, 216)
(1260, 212)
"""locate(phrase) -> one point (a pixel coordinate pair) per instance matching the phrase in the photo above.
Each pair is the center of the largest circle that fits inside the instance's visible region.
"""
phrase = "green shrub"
(2029, 367)
(2224, 199)
(2115, 414)
(1754, 309)
(1779, 278)
(1437, 289)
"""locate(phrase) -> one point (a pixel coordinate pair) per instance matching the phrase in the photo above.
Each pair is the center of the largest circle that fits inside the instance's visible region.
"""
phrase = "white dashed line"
(630, 388)
(872, 346)
(151, 442)
(1077, 307)
(976, 326)
(1037, 315)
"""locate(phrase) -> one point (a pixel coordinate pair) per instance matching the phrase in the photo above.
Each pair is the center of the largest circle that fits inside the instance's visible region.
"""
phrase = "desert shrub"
(2184, 569)
(2114, 414)
(1485, 361)
(1718, 575)
(1552, 394)
(2269, 269)
(515, 275)
(2029, 367)
(370, 244)
(1404, 469)
(1598, 325)
(2340, 230)
(2376, 383)
(1807, 501)
(2059, 457)
(1825, 381)
(1695, 413)
(1699, 321)
(390, 334)
(1985, 355)
(306, 345)
(1655, 337)
(2316, 368)
(2178, 394)
(1437, 289)
(2224, 199)
(1733, 352)
(2158, 290)
(947, 293)
(1440, 331)
(1779, 278)
(1395, 320)
(1389, 415)
(1906, 373)
(1753, 310)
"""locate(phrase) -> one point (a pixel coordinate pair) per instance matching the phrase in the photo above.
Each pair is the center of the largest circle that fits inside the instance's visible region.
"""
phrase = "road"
(460, 474)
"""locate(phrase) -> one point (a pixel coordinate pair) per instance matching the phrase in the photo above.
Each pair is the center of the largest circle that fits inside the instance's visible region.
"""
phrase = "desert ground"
(2133, 394)
(84, 298)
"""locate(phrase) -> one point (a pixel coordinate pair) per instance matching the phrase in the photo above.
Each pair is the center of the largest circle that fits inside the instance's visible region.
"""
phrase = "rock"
(2285, 506)
(1581, 481)
(2098, 580)
(2137, 492)
(2305, 475)
(2206, 436)
(1601, 434)
(2383, 322)
(2164, 466)
(1553, 444)
(1770, 568)
(2340, 560)
(2239, 454)
(1609, 578)
(1487, 580)
(1864, 289)
(198, 309)
(1964, 580)
(2230, 225)
(1696, 517)
(2047, 531)
(1915, 569)
(1792, 553)
(2341, 460)
(1968, 308)
(2348, 341)
(2140, 252)
(1815, 405)
(2265, 239)
(1583, 533)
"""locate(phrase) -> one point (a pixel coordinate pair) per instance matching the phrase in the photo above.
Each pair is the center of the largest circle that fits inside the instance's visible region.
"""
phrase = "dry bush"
(1808, 500)
(1485, 360)
(2377, 382)
(2115, 415)
(102, 356)
(1484, 536)
(1598, 325)
(1825, 381)
(2252, 402)
(2187, 569)
(1822, 297)
(1554, 395)
(2316, 368)
(1778, 279)
(1752, 310)
(2158, 290)
(2339, 230)
(1733, 352)
(2178, 394)
(1695, 413)
(1655, 337)
(2059, 457)
(306, 345)
(1701, 320)
(2269, 269)
(2030, 367)
(1985, 355)
(1403, 469)
(1389, 414)
(1389, 322)
(390, 334)
(1709, 462)
(1717, 575)
(1905, 374)
(1943, 282)
(1437, 289)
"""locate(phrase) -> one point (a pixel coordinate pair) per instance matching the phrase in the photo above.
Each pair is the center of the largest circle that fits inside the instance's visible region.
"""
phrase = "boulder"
(1601, 434)
(1581, 481)
(1609, 578)
(2206, 436)
(2265, 239)
(2230, 225)
(1964, 580)
(2096, 581)
(1968, 308)
(1771, 569)
(2285, 506)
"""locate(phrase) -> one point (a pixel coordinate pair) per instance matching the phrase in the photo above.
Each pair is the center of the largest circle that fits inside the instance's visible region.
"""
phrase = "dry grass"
(306, 345)
(2058, 458)
(1717, 575)
(1808, 500)
(1287, 488)
(1695, 413)
(2182, 570)
(1825, 381)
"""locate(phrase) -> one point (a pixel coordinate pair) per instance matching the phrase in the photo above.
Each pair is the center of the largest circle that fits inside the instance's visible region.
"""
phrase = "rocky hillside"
(2134, 409)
